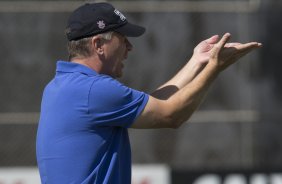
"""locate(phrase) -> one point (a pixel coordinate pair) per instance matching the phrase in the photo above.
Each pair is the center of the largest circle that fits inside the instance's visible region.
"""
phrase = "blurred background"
(238, 127)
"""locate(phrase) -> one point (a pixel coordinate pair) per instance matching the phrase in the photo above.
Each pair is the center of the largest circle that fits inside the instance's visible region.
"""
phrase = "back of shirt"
(82, 134)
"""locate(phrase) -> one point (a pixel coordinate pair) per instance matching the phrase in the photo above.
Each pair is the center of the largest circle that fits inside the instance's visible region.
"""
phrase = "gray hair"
(82, 47)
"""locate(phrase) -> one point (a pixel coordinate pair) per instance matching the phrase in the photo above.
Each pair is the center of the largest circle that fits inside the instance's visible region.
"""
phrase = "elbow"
(175, 125)
(174, 122)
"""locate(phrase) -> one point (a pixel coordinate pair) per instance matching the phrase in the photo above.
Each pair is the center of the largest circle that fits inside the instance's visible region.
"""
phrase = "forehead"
(118, 35)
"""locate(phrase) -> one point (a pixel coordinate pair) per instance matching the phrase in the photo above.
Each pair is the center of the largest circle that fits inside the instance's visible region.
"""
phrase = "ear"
(97, 44)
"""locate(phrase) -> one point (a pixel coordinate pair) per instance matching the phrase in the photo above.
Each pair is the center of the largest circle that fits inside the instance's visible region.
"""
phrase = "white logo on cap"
(121, 16)
(101, 24)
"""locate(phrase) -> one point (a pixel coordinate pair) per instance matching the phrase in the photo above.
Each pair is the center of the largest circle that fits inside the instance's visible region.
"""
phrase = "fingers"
(248, 45)
(248, 48)
(232, 54)
(243, 49)
(224, 54)
(227, 45)
(223, 40)
(218, 47)
(213, 39)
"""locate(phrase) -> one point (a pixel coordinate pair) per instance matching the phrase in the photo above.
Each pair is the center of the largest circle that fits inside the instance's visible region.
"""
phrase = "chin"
(116, 76)
(119, 76)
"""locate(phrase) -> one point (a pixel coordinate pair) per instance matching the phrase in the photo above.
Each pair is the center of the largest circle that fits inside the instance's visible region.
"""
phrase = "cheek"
(115, 53)
(119, 54)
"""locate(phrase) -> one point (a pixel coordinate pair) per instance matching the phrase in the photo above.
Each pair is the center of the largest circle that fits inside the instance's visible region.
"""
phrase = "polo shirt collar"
(65, 66)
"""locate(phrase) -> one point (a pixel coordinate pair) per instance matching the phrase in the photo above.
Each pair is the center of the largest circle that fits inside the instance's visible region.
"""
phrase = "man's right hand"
(224, 54)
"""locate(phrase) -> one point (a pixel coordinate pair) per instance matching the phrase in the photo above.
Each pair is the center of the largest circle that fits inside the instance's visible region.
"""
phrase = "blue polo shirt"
(82, 134)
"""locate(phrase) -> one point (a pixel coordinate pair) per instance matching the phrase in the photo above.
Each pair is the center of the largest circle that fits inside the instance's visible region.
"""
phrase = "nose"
(128, 45)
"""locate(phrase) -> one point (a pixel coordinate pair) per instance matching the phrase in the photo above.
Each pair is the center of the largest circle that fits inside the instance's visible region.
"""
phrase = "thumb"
(213, 39)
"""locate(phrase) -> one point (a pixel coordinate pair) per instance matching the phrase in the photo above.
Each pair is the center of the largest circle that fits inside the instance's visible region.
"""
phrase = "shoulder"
(110, 88)
(106, 82)
(110, 93)
(112, 103)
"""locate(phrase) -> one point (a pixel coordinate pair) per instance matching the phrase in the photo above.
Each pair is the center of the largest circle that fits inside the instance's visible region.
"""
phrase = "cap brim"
(131, 30)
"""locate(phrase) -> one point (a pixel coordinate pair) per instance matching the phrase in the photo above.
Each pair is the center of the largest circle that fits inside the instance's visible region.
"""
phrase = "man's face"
(115, 52)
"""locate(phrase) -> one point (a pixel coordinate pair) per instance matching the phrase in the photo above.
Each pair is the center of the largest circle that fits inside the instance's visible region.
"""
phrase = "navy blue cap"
(95, 18)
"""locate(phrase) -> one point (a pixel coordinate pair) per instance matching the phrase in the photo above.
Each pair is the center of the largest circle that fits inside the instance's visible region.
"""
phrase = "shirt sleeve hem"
(140, 109)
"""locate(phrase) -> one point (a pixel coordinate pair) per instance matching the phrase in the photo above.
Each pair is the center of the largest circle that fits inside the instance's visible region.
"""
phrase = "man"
(85, 112)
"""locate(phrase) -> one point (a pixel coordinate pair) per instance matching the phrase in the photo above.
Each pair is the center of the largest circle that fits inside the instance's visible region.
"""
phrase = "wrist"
(196, 65)
(214, 67)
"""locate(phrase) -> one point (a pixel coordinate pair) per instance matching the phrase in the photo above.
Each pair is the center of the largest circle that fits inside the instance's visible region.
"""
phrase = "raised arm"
(197, 62)
(172, 112)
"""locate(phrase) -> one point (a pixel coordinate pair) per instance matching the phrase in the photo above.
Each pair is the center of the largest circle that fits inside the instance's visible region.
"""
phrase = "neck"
(91, 62)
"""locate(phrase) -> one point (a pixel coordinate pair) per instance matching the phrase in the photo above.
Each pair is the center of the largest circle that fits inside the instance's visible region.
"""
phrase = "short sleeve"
(114, 104)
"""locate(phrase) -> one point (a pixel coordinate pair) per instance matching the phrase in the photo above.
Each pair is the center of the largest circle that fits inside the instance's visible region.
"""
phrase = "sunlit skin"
(115, 53)
(107, 55)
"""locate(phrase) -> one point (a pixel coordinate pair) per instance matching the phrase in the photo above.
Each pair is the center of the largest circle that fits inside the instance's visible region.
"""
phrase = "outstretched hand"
(230, 52)
(224, 54)
(202, 52)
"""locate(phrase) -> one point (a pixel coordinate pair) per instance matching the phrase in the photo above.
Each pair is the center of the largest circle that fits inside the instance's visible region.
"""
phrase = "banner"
(24, 175)
(141, 174)
(230, 177)
(150, 174)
